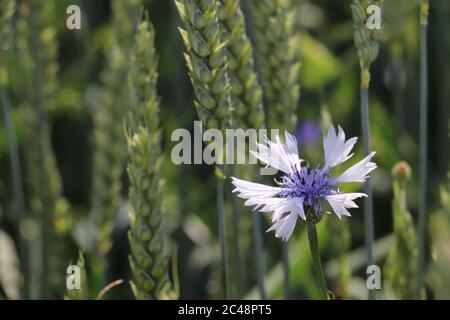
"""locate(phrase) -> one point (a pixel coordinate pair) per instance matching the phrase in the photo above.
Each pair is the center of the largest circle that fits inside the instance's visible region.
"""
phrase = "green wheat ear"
(246, 92)
(278, 66)
(366, 40)
(206, 60)
(109, 142)
(400, 272)
(148, 261)
(276, 58)
(248, 112)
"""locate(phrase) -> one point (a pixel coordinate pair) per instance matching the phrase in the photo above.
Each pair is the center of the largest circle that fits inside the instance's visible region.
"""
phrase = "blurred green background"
(329, 92)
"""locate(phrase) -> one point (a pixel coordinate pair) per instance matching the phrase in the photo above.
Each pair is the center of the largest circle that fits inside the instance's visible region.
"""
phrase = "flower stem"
(314, 245)
(259, 254)
(368, 201)
(423, 143)
(222, 236)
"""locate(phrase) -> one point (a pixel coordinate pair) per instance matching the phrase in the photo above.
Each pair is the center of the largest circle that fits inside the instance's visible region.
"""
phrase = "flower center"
(310, 184)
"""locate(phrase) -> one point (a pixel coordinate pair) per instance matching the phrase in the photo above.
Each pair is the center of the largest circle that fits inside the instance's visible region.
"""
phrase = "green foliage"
(400, 269)
(400, 25)
(206, 59)
(319, 65)
(438, 277)
(277, 60)
(148, 261)
(339, 245)
(301, 264)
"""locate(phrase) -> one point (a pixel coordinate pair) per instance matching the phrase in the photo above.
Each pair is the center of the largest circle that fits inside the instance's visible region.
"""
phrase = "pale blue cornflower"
(304, 192)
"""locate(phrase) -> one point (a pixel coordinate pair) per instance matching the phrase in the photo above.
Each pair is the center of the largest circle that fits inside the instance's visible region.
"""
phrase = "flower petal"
(291, 144)
(336, 149)
(283, 157)
(247, 189)
(257, 194)
(284, 227)
(358, 172)
(264, 200)
(341, 202)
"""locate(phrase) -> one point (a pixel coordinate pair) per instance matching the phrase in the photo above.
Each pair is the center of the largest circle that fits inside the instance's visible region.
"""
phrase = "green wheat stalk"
(207, 64)
(424, 11)
(148, 261)
(38, 51)
(400, 272)
(246, 99)
(366, 42)
(108, 139)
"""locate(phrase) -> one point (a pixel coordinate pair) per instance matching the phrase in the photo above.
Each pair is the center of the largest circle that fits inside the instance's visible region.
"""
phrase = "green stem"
(259, 255)
(368, 201)
(423, 146)
(314, 245)
(222, 236)
(40, 113)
